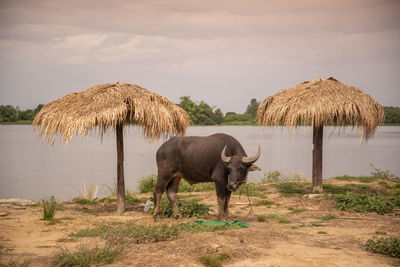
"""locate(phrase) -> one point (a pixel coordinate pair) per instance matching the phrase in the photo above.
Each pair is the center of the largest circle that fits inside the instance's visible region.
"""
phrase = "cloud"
(200, 48)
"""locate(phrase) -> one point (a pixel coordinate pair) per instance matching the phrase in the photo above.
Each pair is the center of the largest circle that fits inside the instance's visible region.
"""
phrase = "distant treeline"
(200, 113)
(10, 114)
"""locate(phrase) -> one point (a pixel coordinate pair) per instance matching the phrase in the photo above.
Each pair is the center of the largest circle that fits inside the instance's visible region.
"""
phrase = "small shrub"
(261, 218)
(322, 233)
(146, 184)
(210, 260)
(364, 203)
(274, 176)
(388, 246)
(328, 217)
(49, 206)
(381, 174)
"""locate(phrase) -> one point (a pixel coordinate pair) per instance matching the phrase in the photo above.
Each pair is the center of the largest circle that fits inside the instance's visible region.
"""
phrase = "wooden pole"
(317, 158)
(120, 169)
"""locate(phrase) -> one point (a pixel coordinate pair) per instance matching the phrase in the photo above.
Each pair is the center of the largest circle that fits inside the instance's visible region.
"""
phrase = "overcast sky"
(222, 52)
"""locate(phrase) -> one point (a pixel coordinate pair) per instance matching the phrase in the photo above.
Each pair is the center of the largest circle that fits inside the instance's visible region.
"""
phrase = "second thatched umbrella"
(321, 102)
(110, 107)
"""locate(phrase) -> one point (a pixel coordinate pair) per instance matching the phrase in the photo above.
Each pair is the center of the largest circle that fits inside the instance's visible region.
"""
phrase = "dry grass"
(321, 102)
(107, 105)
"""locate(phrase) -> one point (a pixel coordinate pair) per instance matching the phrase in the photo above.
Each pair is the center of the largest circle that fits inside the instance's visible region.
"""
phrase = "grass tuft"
(13, 263)
(277, 217)
(86, 255)
(210, 260)
(328, 217)
(88, 191)
(264, 202)
(49, 206)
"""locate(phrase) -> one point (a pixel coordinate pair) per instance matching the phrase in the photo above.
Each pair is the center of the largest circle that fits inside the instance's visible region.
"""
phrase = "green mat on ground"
(235, 222)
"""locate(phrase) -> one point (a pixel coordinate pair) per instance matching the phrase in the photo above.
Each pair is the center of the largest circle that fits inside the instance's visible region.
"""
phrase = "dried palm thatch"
(322, 102)
(110, 106)
(106, 106)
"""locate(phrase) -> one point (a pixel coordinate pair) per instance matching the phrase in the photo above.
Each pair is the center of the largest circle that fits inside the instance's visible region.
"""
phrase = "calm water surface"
(32, 170)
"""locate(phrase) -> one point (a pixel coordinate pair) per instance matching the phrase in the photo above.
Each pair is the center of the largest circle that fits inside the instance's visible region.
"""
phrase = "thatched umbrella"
(110, 107)
(321, 102)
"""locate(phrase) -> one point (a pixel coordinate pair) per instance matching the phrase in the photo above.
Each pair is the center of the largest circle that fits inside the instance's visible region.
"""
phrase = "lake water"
(32, 170)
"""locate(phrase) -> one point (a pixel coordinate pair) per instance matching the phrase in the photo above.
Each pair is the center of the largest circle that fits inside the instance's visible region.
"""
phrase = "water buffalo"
(217, 158)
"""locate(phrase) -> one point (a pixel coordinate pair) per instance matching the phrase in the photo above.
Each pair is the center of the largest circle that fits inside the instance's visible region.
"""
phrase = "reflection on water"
(30, 169)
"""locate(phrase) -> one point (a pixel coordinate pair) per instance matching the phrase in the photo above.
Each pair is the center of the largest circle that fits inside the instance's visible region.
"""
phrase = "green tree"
(8, 113)
(252, 108)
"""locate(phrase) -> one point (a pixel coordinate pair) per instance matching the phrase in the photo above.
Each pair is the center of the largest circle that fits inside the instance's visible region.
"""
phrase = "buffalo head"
(238, 167)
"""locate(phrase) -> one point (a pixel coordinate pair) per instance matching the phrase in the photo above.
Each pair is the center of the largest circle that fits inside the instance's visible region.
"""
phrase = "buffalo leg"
(226, 203)
(221, 199)
(159, 189)
(172, 190)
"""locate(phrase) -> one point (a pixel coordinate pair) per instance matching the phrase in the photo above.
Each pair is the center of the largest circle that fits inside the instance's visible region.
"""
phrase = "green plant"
(381, 174)
(214, 260)
(149, 234)
(13, 263)
(112, 189)
(186, 208)
(88, 191)
(293, 189)
(364, 203)
(380, 232)
(200, 187)
(277, 217)
(251, 189)
(89, 211)
(131, 199)
(86, 255)
(298, 210)
(261, 218)
(274, 176)
(322, 233)
(49, 206)
(84, 201)
(264, 202)
(388, 246)
(146, 184)
(328, 217)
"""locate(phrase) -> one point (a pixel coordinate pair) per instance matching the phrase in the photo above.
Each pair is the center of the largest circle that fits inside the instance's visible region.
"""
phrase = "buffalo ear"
(254, 168)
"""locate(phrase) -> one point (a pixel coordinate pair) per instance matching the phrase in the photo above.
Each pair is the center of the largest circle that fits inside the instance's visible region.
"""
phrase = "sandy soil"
(335, 243)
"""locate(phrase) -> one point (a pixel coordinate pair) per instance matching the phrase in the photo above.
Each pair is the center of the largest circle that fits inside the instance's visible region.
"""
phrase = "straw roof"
(322, 102)
(106, 105)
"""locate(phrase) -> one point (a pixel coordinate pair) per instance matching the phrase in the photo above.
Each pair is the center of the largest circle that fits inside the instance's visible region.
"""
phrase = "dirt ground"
(305, 241)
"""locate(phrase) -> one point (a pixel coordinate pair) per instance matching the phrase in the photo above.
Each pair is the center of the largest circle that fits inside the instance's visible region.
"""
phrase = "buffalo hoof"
(177, 216)
(157, 217)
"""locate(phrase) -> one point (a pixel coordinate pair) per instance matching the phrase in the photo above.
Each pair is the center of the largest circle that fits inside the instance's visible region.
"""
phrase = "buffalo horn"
(224, 157)
(254, 158)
